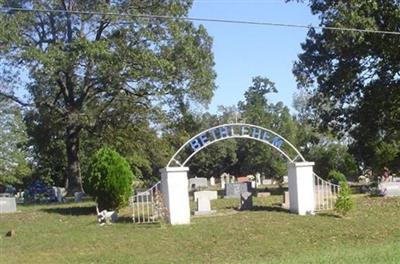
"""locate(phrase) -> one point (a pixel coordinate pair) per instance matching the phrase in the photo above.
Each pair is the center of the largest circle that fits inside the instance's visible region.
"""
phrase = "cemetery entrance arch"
(174, 180)
(235, 130)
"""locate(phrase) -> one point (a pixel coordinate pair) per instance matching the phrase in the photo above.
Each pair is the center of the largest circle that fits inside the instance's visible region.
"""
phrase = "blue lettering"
(195, 144)
(223, 132)
(214, 134)
(265, 136)
(256, 133)
(203, 139)
(277, 142)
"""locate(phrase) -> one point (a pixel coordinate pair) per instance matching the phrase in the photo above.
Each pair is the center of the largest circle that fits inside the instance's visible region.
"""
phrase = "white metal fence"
(325, 194)
(148, 206)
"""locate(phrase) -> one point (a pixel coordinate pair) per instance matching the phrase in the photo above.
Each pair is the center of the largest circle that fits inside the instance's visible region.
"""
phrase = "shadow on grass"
(266, 209)
(84, 210)
(124, 220)
(329, 214)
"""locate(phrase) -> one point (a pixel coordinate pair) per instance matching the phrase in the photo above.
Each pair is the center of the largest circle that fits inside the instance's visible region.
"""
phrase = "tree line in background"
(133, 85)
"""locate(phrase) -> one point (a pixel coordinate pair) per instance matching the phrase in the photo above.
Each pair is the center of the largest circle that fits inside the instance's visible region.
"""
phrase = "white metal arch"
(173, 159)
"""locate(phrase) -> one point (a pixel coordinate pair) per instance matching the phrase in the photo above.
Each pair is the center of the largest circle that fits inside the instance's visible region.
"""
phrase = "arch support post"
(301, 188)
(174, 186)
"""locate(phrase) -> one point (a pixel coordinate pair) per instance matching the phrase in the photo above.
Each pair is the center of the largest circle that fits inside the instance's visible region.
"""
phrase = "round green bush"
(109, 179)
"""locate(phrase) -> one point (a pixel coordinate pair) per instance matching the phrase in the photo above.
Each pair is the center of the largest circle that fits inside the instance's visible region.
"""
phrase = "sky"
(242, 52)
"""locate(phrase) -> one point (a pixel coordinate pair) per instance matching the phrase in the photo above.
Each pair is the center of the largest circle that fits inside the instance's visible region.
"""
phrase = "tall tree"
(257, 109)
(81, 66)
(13, 140)
(353, 77)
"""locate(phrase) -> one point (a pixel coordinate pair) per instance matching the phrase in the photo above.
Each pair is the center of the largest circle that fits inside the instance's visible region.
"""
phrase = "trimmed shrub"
(344, 202)
(336, 176)
(109, 179)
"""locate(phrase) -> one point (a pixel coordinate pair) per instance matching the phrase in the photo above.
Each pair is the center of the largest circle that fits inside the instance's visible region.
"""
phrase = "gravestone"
(212, 181)
(195, 183)
(258, 179)
(286, 203)
(253, 184)
(267, 182)
(78, 196)
(228, 178)
(8, 205)
(59, 193)
(285, 179)
(246, 201)
(233, 190)
(243, 179)
(203, 199)
(389, 188)
(223, 181)
(263, 194)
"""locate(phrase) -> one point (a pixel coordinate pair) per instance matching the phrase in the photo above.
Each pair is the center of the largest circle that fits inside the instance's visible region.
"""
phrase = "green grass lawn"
(69, 234)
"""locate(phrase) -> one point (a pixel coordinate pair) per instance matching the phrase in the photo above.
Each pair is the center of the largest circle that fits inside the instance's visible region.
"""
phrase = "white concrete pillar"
(301, 187)
(174, 186)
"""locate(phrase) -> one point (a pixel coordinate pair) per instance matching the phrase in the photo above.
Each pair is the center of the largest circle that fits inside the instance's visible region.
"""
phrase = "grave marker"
(246, 201)
(203, 199)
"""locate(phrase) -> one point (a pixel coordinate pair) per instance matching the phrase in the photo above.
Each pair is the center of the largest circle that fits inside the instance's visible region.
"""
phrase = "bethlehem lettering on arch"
(235, 131)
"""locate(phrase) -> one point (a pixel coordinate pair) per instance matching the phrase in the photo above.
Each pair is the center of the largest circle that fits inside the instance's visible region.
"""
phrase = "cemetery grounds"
(69, 233)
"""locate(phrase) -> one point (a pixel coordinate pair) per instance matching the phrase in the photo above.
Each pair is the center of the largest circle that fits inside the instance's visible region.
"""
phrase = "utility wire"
(5, 9)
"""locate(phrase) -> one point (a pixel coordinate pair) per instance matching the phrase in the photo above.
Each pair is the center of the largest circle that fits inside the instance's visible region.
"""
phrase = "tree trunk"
(73, 165)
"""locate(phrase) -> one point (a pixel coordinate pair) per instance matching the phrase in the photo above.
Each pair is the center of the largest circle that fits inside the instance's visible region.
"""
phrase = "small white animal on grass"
(106, 217)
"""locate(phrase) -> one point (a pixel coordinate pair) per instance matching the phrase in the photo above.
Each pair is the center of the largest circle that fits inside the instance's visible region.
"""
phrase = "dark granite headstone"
(246, 201)
(233, 190)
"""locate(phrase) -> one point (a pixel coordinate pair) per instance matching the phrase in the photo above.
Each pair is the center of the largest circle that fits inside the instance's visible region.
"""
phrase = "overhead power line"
(198, 19)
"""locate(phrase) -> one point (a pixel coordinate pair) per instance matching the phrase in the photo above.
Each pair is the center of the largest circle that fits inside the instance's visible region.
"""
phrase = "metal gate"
(148, 206)
(325, 194)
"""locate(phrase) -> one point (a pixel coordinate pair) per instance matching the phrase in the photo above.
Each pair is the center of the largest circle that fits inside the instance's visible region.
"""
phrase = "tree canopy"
(353, 78)
(85, 69)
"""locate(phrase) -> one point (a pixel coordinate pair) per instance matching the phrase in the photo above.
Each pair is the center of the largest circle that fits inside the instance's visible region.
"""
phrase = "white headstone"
(212, 181)
(267, 182)
(203, 199)
(223, 180)
(285, 179)
(8, 205)
(59, 193)
(258, 179)
(253, 184)
(389, 188)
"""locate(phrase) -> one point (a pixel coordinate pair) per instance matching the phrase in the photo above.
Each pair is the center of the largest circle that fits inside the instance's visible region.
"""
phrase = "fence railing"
(325, 194)
(148, 206)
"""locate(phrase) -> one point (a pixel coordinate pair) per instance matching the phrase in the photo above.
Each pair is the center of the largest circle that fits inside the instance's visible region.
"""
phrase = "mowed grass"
(69, 234)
